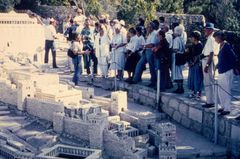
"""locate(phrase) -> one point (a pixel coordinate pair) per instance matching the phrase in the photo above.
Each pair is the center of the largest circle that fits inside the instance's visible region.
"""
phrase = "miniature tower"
(167, 151)
(166, 132)
(118, 102)
(97, 124)
(25, 89)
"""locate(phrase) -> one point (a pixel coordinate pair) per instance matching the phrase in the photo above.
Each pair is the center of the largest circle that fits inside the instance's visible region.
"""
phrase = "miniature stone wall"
(43, 109)
(76, 128)
(8, 93)
(58, 122)
(190, 21)
(118, 147)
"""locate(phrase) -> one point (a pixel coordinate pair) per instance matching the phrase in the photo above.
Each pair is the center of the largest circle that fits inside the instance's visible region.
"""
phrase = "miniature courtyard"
(43, 115)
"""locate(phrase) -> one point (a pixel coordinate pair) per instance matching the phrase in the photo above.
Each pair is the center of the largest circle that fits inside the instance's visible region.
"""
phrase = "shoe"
(55, 67)
(179, 91)
(128, 80)
(220, 110)
(192, 96)
(225, 113)
(237, 118)
(132, 82)
(208, 105)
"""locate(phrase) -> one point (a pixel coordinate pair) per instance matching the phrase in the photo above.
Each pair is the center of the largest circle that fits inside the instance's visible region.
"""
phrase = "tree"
(225, 14)
(171, 6)
(7, 5)
(130, 10)
(93, 7)
(55, 2)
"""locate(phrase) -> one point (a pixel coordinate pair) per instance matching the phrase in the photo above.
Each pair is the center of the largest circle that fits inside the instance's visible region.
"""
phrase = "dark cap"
(209, 26)
(196, 35)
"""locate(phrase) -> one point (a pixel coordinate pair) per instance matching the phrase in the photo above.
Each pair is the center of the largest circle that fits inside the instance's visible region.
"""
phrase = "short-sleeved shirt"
(210, 46)
(178, 44)
(50, 32)
(134, 44)
(141, 40)
(152, 38)
(76, 46)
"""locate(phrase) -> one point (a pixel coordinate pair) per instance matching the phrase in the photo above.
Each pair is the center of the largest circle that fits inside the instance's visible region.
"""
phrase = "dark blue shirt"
(226, 58)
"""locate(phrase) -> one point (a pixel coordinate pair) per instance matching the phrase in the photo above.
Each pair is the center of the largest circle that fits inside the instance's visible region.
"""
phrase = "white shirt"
(184, 37)
(178, 44)
(152, 38)
(210, 46)
(169, 38)
(123, 31)
(50, 32)
(134, 44)
(141, 40)
(76, 47)
(102, 45)
(119, 39)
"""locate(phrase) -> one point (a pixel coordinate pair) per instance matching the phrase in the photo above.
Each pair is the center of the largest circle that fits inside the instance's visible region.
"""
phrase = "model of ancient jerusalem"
(119, 80)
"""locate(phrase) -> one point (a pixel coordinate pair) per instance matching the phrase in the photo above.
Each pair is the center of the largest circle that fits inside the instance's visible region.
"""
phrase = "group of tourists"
(106, 45)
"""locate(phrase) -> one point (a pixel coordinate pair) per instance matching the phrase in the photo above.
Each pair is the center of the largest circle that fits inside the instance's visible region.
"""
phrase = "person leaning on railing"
(225, 66)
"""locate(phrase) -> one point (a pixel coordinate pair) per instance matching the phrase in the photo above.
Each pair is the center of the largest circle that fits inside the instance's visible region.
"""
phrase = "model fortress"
(108, 131)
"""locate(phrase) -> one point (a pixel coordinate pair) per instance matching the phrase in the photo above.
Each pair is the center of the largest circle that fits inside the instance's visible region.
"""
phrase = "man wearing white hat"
(123, 29)
(50, 35)
(210, 49)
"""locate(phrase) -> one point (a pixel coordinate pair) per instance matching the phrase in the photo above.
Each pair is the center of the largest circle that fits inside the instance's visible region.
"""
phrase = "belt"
(205, 56)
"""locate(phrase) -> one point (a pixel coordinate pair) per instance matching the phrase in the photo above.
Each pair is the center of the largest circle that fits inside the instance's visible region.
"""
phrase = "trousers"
(147, 57)
(208, 80)
(77, 69)
(49, 45)
(224, 89)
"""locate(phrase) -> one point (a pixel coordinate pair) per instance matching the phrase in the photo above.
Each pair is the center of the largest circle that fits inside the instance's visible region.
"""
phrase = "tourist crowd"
(106, 45)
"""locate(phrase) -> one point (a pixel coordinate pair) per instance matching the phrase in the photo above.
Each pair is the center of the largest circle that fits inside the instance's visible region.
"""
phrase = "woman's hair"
(75, 36)
(220, 34)
(142, 21)
(162, 33)
(196, 34)
(132, 31)
(157, 24)
(178, 30)
(139, 30)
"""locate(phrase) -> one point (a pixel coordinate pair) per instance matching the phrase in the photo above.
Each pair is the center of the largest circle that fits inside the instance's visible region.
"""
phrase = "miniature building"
(145, 121)
(142, 141)
(119, 146)
(41, 96)
(17, 30)
(123, 128)
(118, 102)
(167, 151)
(62, 151)
(163, 132)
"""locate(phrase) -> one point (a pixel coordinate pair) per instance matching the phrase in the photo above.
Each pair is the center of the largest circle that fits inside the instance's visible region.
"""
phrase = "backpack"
(71, 54)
